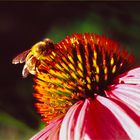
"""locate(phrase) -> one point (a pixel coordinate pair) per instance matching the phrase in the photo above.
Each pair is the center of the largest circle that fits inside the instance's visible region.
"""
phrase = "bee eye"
(49, 43)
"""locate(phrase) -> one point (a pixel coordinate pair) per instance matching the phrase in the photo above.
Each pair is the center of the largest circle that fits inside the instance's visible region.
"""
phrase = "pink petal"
(128, 94)
(128, 124)
(103, 124)
(90, 120)
(50, 132)
(80, 127)
(67, 131)
(130, 77)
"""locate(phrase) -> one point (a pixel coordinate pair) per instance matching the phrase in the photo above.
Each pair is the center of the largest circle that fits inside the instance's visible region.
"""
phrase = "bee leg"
(25, 71)
(37, 64)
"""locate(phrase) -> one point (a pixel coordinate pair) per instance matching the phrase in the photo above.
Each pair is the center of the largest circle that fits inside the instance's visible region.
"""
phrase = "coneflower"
(86, 89)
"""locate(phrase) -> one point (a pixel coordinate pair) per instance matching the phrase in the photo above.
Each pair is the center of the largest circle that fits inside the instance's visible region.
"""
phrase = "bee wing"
(21, 57)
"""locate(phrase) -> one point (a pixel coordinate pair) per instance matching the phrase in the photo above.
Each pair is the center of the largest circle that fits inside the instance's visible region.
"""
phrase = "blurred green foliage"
(90, 24)
(12, 129)
(121, 25)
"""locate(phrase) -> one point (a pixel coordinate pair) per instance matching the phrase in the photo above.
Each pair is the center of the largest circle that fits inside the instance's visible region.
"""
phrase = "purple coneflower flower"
(86, 89)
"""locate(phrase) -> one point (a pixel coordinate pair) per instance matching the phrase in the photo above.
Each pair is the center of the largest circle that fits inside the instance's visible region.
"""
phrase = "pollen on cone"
(81, 66)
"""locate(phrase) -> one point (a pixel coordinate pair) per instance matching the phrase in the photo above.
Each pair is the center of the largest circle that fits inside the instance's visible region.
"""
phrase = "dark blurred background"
(22, 24)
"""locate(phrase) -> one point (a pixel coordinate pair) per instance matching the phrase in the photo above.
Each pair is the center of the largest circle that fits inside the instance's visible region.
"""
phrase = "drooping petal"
(128, 89)
(67, 131)
(91, 120)
(50, 132)
(130, 77)
(131, 127)
(128, 94)
(103, 123)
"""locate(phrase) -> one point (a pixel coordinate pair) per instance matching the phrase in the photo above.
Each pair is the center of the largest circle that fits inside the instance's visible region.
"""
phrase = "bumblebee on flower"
(86, 89)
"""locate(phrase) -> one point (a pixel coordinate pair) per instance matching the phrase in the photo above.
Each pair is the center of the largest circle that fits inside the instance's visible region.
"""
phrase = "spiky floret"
(80, 67)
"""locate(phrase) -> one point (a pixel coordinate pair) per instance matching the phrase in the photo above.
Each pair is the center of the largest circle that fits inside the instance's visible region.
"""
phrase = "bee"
(33, 57)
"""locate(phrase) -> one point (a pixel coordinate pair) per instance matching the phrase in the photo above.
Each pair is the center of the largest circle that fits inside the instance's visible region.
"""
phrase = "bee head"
(44, 47)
